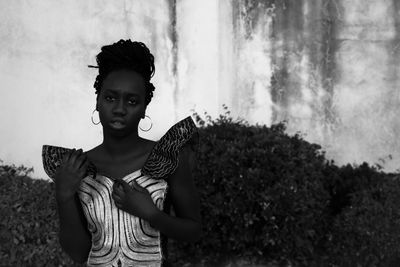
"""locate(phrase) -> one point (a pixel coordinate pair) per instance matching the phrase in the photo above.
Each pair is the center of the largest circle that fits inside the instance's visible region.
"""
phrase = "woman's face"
(121, 102)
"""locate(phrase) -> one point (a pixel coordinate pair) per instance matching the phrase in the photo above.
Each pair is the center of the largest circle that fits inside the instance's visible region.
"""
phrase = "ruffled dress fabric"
(119, 238)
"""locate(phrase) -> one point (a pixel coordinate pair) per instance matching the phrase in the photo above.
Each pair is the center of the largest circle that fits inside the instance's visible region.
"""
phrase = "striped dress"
(119, 238)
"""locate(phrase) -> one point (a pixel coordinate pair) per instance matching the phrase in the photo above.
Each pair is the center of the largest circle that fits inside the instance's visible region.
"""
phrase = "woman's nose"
(120, 107)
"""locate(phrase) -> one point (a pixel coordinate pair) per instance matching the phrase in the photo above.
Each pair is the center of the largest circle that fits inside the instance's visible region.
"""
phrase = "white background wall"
(47, 94)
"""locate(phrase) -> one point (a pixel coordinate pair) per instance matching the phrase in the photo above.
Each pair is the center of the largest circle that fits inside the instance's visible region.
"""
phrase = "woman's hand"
(70, 173)
(135, 200)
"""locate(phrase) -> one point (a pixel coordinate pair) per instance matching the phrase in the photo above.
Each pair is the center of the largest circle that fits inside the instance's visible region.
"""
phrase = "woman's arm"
(186, 226)
(74, 237)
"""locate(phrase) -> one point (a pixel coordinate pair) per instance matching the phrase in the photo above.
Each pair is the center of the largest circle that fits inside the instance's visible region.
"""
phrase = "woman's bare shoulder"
(92, 153)
(148, 141)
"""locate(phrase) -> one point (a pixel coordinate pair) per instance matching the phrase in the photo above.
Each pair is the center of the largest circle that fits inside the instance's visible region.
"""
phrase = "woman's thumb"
(123, 184)
(137, 186)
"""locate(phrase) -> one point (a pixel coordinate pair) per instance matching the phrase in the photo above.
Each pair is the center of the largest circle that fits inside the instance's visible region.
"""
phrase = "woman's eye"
(131, 101)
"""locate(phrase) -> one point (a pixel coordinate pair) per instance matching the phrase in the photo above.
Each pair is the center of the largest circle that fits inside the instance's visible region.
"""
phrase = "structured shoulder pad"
(163, 160)
(52, 158)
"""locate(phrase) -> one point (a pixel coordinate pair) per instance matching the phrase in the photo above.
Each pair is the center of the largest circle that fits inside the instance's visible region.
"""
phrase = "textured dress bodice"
(120, 238)
(116, 234)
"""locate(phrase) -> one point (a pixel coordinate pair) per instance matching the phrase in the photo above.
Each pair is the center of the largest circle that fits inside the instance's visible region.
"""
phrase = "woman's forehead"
(124, 82)
(120, 91)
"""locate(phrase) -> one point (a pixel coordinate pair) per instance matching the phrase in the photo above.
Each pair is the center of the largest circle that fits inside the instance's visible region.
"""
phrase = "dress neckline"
(122, 178)
(133, 172)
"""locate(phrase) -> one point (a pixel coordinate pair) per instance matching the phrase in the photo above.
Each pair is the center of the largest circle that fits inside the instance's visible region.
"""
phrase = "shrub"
(29, 224)
(272, 197)
(266, 198)
(367, 231)
(262, 195)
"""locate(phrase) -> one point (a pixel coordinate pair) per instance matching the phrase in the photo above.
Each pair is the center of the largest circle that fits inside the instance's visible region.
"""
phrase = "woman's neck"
(120, 147)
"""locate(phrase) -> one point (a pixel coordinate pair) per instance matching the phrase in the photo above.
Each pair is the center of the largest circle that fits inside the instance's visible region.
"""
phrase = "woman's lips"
(117, 125)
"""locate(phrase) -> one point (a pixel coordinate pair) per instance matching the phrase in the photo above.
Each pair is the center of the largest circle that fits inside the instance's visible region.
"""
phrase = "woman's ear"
(144, 113)
(97, 103)
(98, 100)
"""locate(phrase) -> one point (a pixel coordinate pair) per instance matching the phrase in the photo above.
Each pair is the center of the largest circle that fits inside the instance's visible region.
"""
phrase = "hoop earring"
(92, 118)
(151, 125)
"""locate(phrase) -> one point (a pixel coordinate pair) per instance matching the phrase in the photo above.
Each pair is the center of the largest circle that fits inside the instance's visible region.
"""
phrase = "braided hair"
(126, 54)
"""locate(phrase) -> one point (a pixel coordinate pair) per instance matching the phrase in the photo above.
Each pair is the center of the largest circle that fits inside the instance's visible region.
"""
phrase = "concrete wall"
(330, 68)
(367, 92)
(47, 94)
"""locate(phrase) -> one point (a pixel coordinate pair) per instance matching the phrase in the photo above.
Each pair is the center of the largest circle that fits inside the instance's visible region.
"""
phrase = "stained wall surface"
(329, 68)
(47, 94)
(333, 73)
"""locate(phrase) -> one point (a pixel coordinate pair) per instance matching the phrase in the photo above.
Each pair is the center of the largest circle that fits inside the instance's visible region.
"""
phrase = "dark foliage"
(266, 197)
(270, 197)
(366, 231)
(29, 223)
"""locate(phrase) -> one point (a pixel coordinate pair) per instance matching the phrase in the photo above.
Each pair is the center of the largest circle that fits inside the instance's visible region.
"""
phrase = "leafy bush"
(7, 170)
(262, 193)
(270, 197)
(29, 224)
(266, 198)
(367, 230)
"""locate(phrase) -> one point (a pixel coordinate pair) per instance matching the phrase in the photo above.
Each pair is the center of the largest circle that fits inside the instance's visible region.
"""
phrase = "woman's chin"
(119, 131)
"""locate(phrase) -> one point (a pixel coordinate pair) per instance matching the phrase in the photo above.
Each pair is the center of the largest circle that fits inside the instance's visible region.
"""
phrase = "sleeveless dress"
(119, 238)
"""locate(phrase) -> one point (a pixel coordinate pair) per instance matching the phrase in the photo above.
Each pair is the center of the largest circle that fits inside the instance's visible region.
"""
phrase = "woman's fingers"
(116, 197)
(135, 185)
(80, 159)
(117, 187)
(75, 157)
(138, 187)
(67, 156)
(118, 203)
(84, 162)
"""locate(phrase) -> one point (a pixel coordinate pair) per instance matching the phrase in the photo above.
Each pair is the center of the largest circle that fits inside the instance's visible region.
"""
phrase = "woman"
(111, 199)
